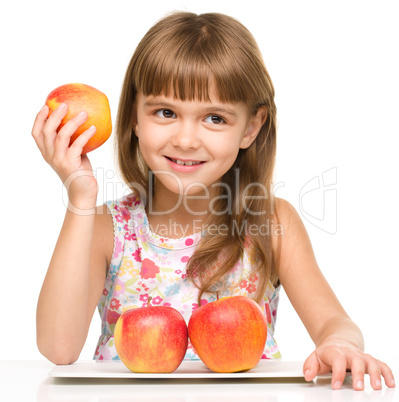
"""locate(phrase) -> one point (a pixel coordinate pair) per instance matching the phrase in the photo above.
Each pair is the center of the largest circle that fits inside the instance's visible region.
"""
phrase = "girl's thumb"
(311, 367)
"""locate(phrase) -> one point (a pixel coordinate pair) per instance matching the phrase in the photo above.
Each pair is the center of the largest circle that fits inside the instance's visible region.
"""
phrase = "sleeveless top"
(146, 264)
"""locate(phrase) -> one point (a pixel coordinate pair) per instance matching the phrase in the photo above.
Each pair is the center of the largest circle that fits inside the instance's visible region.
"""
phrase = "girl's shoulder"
(287, 227)
(103, 234)
(293, 243)
(284, 209)
(287, 218)
(110, 218)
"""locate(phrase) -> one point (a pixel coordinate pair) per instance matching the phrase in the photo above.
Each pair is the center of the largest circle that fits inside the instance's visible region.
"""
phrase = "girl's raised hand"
(339, 356)
(73, 168)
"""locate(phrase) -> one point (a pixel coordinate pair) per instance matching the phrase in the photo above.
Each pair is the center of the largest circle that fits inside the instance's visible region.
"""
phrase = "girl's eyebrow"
(208, 109)
(157, 103)
(222, 110)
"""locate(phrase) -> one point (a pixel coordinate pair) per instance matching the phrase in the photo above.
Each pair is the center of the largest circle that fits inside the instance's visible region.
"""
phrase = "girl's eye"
(214, 119)
(165, 113)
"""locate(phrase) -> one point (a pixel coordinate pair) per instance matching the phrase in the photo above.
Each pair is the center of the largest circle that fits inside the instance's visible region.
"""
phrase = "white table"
(27, 380)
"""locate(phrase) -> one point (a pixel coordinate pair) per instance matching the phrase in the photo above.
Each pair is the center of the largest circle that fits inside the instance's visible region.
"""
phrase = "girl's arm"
(76, 274)
(338, 341)
(73, 285)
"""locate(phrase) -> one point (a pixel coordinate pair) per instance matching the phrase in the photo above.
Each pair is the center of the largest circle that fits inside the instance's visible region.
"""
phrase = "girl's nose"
(186, 136)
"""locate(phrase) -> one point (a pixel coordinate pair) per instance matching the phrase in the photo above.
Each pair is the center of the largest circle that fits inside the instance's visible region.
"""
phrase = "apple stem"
(217, 295)
(148, 302)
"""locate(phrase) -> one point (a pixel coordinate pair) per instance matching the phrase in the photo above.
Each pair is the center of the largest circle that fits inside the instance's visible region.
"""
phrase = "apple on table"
(229, 334)
(151, 339)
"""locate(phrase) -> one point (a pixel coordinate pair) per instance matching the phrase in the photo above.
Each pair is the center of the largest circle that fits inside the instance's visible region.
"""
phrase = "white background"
(335, 69)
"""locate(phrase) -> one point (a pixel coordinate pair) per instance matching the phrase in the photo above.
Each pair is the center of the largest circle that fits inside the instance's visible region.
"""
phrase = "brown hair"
(178, 56)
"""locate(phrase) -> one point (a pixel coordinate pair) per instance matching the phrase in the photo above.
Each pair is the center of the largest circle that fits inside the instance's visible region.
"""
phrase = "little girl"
(196, 141)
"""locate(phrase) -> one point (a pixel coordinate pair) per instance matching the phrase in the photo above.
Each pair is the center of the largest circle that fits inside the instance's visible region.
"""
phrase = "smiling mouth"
(185, 163)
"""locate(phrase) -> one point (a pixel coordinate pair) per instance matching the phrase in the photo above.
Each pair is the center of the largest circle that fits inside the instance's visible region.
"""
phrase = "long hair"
(179, 56)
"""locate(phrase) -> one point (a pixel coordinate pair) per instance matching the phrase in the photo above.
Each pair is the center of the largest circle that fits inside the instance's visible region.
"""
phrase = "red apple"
(229, 334)
(151, 339)
(81, 97)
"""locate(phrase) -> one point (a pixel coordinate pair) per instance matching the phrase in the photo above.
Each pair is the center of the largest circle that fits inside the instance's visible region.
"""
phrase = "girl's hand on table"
(338, 357)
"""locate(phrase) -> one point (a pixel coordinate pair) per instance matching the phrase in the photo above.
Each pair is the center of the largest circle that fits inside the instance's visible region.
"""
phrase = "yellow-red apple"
(151, 339)
(82, 97)
(229, 334)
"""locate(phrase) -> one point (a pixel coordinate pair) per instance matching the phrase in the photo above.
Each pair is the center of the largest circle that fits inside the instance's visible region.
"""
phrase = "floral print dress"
(145, 264)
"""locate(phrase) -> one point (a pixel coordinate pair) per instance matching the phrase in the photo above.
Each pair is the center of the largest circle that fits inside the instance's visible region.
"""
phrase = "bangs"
(194, 60)
(175, 75)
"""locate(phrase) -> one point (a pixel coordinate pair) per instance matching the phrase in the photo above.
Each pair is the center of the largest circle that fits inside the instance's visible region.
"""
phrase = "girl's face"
(190, 145)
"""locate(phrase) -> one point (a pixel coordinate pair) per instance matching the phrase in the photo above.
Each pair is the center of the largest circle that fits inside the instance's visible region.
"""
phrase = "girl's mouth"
(185, 162)
(184, 165)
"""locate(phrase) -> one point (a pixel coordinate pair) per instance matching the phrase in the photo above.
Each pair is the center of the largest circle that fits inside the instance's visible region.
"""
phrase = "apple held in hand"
(151, 339)
(81, 97)
(229, 334)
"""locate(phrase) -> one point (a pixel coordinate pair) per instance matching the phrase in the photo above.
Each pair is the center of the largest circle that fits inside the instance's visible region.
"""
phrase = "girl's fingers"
(358, 369)
(50, 128)
(37, 128)
(63, 137)
(388, 375)
(338, 371)
(311, 367)
(339, 359)
(77, 147)
(374, 371)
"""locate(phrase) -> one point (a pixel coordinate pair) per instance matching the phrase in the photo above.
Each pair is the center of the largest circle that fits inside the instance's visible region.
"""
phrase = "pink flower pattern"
(148, 269)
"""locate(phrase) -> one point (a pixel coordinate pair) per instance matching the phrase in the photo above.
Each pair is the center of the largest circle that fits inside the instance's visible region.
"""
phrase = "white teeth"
(185, 163)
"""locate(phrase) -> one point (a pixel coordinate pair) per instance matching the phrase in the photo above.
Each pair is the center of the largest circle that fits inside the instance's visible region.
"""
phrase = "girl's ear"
(136, 128)
(255, 124)
(135, 123)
